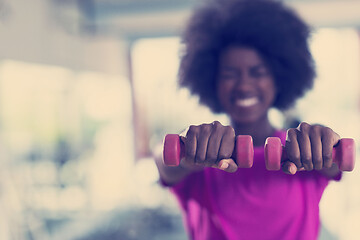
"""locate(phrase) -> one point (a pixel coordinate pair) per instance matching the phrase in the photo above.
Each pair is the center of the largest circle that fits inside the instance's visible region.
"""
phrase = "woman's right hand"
(209, 145)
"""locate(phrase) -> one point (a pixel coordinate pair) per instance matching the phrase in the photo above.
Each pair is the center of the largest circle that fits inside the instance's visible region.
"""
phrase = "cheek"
(270, 89)
(222, 91)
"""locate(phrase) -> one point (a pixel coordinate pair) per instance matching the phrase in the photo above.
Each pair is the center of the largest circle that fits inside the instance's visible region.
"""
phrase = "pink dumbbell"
(174, 150)
(343, 154)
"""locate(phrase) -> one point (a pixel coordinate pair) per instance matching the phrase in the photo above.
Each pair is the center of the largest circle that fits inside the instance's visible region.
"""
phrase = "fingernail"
(224, 165)
(292, 169)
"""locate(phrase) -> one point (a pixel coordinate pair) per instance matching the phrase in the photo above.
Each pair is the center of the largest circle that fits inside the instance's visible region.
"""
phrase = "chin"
(243, 120)
(248, 118)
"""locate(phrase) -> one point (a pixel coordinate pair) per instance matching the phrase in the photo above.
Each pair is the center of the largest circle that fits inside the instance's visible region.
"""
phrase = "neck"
(259, 130)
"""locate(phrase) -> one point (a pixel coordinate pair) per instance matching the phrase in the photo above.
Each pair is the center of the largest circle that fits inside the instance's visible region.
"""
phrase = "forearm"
(172, 174)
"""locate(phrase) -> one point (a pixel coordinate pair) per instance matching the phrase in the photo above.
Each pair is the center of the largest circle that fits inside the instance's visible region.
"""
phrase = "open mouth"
(246, 102)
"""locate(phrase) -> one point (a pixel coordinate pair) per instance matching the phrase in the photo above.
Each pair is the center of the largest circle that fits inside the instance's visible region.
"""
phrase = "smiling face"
(246, 88)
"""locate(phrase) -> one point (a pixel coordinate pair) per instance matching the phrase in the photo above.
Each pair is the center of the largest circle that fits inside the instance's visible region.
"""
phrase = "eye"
(259, 72)
(227, 74)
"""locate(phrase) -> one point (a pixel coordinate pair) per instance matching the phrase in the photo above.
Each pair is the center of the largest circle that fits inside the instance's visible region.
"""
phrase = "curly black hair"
(276, 32)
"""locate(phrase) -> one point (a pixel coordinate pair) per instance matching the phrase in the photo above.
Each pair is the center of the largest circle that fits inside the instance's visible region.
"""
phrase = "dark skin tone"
(246, 90)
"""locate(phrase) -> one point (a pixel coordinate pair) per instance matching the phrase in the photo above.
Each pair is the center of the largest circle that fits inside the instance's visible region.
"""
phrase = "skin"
(246, 90)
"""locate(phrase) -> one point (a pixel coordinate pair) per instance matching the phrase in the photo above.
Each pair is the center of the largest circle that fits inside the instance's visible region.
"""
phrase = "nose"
(244, 82)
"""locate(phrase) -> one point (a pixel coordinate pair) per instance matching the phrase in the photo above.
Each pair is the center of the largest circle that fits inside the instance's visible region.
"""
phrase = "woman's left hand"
(309, 147)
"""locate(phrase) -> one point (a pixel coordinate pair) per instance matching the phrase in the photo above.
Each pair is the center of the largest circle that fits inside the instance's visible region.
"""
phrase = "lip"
(245, 101)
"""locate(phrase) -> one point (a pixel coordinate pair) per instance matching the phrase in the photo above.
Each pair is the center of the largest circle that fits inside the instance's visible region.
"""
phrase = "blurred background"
(87, 91)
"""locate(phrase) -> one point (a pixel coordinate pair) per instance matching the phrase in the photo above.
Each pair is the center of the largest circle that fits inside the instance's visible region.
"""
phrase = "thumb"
(289, 168)
(228, 165)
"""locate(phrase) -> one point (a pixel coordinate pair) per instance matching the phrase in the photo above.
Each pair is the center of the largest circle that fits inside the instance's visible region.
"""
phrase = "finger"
(227, 165)
(190, 144)
(305, 150)
(212, 155)
(329, 140)
(316, 148)
(227, 144)
(289, 167)
(184, 133)
(292, 147)
(202, 144)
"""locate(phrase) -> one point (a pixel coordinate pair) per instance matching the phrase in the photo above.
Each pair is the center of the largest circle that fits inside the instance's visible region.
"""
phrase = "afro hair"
(276, 32)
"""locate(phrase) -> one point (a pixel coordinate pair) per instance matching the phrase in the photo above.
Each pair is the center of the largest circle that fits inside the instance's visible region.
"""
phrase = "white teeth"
(247, 102)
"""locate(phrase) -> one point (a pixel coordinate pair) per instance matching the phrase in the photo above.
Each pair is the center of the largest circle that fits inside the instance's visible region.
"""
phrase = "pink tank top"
(251, 203)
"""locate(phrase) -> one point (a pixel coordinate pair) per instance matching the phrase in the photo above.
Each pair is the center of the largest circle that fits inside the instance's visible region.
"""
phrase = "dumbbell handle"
(343, 154)
(174, 150)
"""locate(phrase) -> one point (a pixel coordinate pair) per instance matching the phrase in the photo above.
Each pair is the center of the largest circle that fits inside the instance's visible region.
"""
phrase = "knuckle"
(211, 159)
(192, 130)
(315, 131)
(314, 135)
(304, 127)
(317, 161)
(292, 133)
(216, 124)
(206, 128)
(327, 156)
(294, 157)
(229, 130)
(306, 159)
(316, 128)
(226, 155)
(200, 159)
(327, 131)
(217, 127)
(212, 155)
(318, 166)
